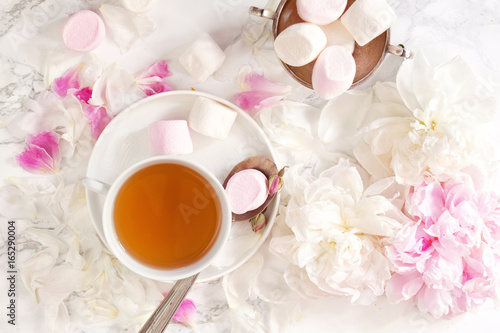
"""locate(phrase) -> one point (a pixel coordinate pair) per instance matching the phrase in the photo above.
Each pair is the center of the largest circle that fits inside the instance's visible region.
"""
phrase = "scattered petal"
(84, 94)
(151, 79)
(129, 29)
(186, 313)
(41, 154)
(98, 119)
(115, 90)
(68, 83)
(14, 204)
(259, 92)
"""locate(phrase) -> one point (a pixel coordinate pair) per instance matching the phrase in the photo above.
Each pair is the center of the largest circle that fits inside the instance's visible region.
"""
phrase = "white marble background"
(441, 28)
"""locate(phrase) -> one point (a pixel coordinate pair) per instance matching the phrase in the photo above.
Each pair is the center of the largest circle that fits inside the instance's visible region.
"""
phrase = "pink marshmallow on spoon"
(170, 137)
(320, 12)
(83, 31)
(334, 71)
(246, 190)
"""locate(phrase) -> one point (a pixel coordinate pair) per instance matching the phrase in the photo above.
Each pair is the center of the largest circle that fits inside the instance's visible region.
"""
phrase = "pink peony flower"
(41, 154)
(445, 259)
(259, 92)
(151, 79)
(98, 119)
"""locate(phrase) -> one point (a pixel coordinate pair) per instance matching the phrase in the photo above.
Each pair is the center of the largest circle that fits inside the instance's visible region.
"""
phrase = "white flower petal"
(342, 116)
(129, 29)
(14, 204)
(115, 89)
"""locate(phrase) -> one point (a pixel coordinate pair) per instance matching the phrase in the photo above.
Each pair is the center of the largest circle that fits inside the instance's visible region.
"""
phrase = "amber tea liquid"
(167, 216)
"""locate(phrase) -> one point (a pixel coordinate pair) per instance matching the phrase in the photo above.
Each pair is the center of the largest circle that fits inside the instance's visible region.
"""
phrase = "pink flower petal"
(67, 83)
(159, 69)
(186, 313)
(98, 119)
(260, 92)
(84, 94)
(151, 79)
(153, 85)
(41, 154)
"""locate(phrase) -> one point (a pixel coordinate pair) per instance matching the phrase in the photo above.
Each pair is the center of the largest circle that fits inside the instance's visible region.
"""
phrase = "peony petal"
(41, 154)
(115, 90)
(343, 115)
(84, 94)
(68, 83)
(186, 313)
(153, 85)
(159, 69)
(14, 204)
(98, 119)
(260, 92)
(129, 29)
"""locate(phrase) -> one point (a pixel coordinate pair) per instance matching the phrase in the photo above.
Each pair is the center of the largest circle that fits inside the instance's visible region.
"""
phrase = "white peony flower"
(332, 233)
(427, 122)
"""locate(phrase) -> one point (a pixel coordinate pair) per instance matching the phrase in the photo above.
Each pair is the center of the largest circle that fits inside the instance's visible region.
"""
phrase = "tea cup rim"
(147, 271)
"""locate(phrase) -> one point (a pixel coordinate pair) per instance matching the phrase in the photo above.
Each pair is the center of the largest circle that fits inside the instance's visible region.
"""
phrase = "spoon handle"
(160, 318)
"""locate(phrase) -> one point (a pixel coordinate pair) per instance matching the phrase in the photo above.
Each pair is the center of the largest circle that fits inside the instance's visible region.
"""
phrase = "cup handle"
(96, 186)
(265, 13)
(399, 51)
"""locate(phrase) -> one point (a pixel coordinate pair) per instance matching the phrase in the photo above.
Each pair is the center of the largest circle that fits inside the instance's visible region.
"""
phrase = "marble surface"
(442, 29)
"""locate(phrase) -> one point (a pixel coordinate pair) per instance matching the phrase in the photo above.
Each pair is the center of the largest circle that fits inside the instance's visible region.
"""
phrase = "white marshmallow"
(210, 118)
(333, 72)
(246, 190)
(202, 58)
(300, 43)
(337, 34)
(170, 137)
(138, 6)
(320, 11)
(367, 19)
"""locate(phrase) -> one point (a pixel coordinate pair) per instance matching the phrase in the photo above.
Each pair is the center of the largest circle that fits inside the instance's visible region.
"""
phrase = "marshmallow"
(333, 72)
(246, 190)
(337, 34)
(367, 19)
(299, 44)
(210, 118)
(170, 137)
(320, 11)
(138, 6)
(83, 31)
(202, 58)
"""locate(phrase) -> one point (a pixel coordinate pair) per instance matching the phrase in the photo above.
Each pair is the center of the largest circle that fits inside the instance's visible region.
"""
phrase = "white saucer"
(125, 142)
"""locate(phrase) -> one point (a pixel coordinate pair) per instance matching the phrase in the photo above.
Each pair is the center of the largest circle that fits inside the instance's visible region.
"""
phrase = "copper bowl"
(368, 57)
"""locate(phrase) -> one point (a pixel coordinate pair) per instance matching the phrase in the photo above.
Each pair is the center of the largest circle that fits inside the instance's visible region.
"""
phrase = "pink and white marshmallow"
(320, 12)
(333, 72)
(202, 58)
(246, 190)
(300, 43)
(210, 118)
(337, 34)
(83, 31)
(367, 19)
(170, 137)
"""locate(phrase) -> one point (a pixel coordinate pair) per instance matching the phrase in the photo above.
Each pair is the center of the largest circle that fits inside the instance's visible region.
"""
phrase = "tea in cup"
(166, 218)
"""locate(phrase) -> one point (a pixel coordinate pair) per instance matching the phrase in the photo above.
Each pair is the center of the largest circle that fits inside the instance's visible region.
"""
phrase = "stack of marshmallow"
(207, 117)
(328, 36)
